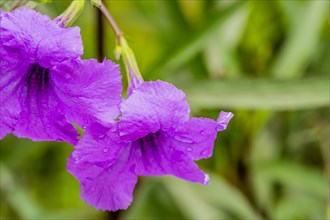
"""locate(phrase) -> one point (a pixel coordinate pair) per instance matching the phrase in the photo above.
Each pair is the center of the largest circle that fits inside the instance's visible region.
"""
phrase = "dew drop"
(101, 136)
(204, 152)
(183, 139)
(189, 149)
(75, 156)
(202, 132)
(105, 150)
(122, 134)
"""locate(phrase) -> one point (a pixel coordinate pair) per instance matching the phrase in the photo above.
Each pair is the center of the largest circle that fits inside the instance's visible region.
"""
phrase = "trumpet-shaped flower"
(45, 85)
(154, 136)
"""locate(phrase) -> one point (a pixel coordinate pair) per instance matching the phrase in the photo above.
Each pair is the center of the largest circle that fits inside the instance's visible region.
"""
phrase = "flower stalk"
(18, 4)
(71, 13)
(122, 49)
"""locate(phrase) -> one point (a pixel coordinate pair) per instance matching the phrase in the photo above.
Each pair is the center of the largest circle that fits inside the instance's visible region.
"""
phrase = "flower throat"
(37, 76)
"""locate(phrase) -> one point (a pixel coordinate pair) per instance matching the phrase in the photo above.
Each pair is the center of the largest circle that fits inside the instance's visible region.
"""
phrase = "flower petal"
(156, 155)
(61, 44)
(106, 188)
(223, 120)
(90, 91)
(8, 118)
(41, 117)
(152, 106)
(196, 137)
(11, 68)
(99, 145)
(39, 39)
(29, 107)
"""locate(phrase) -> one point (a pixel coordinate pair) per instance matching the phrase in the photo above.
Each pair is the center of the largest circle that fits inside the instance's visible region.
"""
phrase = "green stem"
(122, 49)
(18, 4)
(71, 13)
(99, 4)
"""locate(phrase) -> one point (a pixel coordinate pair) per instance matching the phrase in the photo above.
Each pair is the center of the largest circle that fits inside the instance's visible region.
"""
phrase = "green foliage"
(258, 94)
(267, 61)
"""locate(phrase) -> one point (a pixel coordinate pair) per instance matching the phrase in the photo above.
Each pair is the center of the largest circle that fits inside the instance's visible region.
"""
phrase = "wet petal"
(156, 155)
(11, 69)
(36, 38)
(196, 137)
(90, 91)
(29, 107)
(41, 117)
(99, 145)
(61, 44)
(8, 119)
(151, 107)
(106, 187)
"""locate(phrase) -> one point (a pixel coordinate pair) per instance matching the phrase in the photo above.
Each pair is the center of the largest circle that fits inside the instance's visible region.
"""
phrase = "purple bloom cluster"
(45, 85)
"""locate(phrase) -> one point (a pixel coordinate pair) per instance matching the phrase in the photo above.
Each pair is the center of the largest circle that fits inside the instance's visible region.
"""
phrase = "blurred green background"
(267, 61)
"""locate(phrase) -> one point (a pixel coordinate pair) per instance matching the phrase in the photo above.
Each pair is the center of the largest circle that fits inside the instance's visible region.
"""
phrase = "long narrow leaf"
(206, 202)
(302, 41)
(195, 44)
(259, 94)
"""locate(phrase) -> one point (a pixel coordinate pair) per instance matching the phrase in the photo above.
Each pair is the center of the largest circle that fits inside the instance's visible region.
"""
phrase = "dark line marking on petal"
(30, 74)
(46, 78)
(37, 76)
(141, 145)
(152, 140)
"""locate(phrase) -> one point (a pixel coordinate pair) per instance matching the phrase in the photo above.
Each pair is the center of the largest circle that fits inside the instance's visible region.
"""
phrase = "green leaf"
(196, 43)
(259, 94)
(151, 201)
(301, 42)
(44, 1)
(218, 200)
(296, 177)
(220, 55)
(298, 206)
(189, 202)
(19, 198)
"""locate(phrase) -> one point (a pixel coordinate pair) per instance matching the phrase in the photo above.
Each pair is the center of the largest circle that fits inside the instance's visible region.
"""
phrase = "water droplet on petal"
(206, 179)
(75, 157)
(105, 150)
(204, 152)
(189, 149)
(202, 132)
(74, 154)
(183, 139)
(122, 134)
(101, 136)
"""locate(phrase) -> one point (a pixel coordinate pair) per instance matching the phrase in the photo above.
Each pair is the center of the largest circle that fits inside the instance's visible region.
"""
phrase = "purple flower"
(45, 85)
(154, 136)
